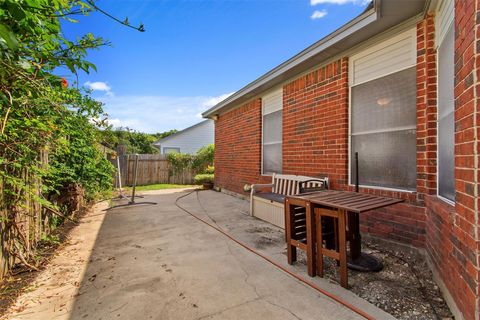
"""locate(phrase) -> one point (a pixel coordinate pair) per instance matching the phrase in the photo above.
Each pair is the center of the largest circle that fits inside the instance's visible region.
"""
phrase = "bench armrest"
(256, 187)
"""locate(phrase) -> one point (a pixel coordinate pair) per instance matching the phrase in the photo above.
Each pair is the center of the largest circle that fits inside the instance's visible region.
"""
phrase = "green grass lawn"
(160, 186)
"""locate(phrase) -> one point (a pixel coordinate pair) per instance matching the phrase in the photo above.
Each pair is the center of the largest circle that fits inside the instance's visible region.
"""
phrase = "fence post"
(127, 173)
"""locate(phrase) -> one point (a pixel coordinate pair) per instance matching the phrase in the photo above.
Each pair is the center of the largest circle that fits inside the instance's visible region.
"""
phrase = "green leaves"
(37, 113)
(8, 37)
(198, 162)
(135, 142)
(204, 178)
(48, 142)
(79, 160)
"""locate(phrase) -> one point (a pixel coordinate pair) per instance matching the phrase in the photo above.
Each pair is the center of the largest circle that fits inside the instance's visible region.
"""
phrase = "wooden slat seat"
(275, 197)
(267, 200)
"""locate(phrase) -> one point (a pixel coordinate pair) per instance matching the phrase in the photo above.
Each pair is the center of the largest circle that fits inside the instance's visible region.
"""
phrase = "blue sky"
(195, 53)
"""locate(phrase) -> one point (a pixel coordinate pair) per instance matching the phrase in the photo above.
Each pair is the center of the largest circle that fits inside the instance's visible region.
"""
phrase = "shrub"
(204, 157)
(209, 169)
(199, 162)
(204, 178)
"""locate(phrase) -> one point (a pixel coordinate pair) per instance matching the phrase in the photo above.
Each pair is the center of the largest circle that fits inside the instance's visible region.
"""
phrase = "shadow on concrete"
(156, 262)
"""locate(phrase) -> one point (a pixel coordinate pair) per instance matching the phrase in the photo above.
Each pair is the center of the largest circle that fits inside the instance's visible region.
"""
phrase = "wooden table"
(345, 202)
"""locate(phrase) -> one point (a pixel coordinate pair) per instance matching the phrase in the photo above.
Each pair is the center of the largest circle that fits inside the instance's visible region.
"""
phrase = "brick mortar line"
(475, 147)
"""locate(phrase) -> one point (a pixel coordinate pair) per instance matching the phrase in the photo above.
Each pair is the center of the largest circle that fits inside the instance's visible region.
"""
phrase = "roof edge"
(158, 142)
(365, 18)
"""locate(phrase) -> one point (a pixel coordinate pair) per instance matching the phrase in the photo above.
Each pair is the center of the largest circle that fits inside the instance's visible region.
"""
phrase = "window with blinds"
(446, 121)
(272, 132)
(383, 114)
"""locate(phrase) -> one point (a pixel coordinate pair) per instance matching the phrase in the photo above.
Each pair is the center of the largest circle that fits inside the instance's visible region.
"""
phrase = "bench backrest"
(287, 184)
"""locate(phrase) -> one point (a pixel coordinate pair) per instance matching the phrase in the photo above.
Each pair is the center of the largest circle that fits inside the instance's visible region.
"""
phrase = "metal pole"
(132, 201)
(356, 173)
(134, 178)
(119, 174)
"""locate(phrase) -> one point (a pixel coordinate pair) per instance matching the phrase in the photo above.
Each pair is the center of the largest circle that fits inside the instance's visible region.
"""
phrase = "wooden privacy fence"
(30, 220)
(152, 169)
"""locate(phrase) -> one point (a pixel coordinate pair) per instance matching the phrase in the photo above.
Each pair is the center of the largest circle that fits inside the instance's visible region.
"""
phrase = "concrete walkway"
(156, 262)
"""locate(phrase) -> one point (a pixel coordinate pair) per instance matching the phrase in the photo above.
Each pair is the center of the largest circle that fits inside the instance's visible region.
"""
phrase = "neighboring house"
(189, 140)
(399, 84)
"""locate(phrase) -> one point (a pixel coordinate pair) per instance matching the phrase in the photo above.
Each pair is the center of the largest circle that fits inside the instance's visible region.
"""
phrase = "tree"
(41, 114)
(134, 141)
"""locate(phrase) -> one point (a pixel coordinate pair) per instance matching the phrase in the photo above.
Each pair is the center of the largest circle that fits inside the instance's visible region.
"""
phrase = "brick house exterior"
(316, 143)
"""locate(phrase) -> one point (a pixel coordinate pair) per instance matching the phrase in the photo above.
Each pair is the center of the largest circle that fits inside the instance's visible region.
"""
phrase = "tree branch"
(8, 111)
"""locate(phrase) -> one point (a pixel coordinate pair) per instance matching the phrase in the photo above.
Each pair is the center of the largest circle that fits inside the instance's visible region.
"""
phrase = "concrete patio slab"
(157, 262)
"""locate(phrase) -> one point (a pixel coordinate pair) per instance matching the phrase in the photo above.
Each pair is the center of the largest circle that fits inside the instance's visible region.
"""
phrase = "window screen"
(272, 142)
(383, 131)
(446, 135)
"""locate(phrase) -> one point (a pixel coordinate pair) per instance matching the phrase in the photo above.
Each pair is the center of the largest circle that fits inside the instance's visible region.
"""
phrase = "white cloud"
(215, 100)
(115, 122)
(318, 14)
(98, 86)
(357, 2)
(157, 113)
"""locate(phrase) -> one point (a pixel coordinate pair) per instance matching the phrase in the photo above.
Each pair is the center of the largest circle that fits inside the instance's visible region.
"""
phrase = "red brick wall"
(406, 223)
(315, 143)
(315, 124)
(464, 223)
(238, 136)
(449, 256)
(426, 109)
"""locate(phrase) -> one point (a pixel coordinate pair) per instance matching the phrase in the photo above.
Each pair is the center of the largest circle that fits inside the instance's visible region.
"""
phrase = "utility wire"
(125, 22)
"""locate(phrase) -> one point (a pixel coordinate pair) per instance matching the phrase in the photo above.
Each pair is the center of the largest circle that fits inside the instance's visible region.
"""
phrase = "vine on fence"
(197, 162)
(48, 129)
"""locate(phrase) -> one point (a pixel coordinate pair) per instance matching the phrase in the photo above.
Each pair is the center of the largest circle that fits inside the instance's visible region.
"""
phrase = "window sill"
(268, 174)
(383, 189)
(447, 201)
(436, 203)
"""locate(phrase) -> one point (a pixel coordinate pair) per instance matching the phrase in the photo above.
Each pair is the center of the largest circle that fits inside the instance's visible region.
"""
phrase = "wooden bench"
(269, 205)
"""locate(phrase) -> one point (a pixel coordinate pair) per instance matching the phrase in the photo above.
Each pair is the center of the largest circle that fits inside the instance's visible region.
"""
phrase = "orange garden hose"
(276, 264)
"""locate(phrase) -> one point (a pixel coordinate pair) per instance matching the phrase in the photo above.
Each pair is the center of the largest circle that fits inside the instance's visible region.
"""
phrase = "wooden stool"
(296, 231)
(300, 232)
(339, 252)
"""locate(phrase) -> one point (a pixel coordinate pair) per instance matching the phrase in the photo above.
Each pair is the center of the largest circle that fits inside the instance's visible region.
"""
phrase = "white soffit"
(272, 101)
(389, 56)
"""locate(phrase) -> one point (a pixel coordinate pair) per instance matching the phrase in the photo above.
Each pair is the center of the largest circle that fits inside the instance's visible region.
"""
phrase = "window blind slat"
(446, 121)
(272, 132)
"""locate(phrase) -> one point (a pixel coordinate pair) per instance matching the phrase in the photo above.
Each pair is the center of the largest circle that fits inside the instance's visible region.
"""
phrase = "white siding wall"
(191, 139)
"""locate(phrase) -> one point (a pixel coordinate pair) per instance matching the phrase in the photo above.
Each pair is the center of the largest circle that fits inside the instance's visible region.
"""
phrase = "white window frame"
(443, 21)
(164, 148)
(445, 16)
(413, 62)
(276, 91)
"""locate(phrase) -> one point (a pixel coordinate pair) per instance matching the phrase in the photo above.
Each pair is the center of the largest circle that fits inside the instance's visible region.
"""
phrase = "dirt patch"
(258, 229)
(262, 242)
(265, 236)
(404, 288)
(19, 278)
